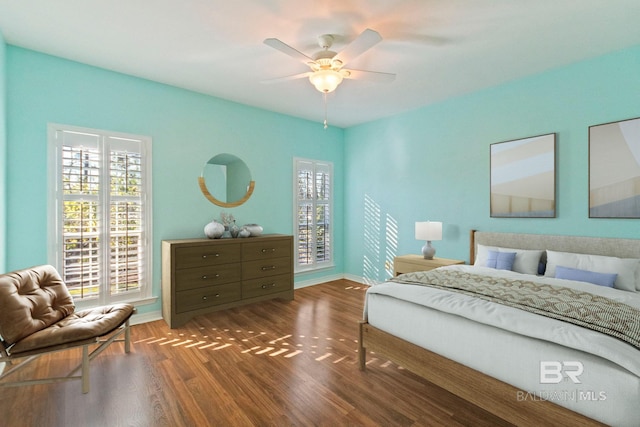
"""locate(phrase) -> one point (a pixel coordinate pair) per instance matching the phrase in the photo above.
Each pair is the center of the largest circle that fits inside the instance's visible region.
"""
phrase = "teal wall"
(187, 129)
(430, 163)
(3, 154)
(433, 163)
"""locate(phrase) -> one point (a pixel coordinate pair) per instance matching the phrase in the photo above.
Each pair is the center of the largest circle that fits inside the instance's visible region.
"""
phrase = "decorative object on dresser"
(201, 275)
(214, 230)
(254, 229)
(428, 230)
(234, 229)
(410, 263)
(227, 228)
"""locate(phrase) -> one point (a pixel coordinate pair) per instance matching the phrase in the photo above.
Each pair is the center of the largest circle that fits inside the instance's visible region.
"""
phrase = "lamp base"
(428, 251)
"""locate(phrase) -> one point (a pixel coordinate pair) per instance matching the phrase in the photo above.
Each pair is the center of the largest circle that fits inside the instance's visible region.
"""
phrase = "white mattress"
(509, 344)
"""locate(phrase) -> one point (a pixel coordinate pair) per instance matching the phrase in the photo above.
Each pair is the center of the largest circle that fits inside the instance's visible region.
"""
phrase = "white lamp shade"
(429, 230)
(326, 80)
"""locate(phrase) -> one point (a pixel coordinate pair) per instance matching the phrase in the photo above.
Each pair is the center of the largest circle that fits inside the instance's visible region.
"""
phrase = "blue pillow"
(602, 279)
(501, 260)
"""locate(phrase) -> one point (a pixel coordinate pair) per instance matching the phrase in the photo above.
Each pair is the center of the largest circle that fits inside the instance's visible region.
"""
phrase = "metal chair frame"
(87, 356)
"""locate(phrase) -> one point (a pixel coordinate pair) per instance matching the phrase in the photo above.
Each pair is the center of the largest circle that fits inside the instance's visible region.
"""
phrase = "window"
(313, 195)
(100, 213)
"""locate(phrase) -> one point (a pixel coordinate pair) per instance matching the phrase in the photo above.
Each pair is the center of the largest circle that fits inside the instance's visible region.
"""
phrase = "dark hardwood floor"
(274, 363)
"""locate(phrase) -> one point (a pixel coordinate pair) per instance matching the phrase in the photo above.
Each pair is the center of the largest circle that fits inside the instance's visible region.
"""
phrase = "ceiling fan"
(327, 70)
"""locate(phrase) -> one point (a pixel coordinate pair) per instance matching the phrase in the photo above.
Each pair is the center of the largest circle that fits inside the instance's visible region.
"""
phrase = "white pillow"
(526, 261)
(626, 268)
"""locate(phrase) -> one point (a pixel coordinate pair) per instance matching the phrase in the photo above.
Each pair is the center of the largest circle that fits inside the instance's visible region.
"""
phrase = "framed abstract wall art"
(523, 178)
(614, 169)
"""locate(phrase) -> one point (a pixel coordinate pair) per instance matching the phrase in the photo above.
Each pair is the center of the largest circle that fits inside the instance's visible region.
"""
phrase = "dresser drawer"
(266, 285)
(199, 277)
(264, 249)
(209, 296)
(265, 268)
(203, 255)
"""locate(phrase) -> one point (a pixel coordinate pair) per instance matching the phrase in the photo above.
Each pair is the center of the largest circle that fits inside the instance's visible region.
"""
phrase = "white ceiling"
(437, 48)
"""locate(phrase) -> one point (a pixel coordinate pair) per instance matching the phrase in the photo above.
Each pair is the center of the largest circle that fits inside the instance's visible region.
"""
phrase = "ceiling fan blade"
(371, 76)
(287, 78)
(285, 48)
(365, 41)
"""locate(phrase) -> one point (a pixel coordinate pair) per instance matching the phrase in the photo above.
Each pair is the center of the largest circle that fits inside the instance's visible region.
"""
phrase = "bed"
(527, 368)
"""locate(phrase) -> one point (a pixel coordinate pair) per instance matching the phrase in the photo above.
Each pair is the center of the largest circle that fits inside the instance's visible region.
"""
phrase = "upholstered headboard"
(621, 248)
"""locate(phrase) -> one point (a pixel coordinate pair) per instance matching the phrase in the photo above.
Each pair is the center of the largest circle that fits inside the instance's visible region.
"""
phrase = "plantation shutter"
(126, 215)
(81, 218)
(323, 212)
(313, 194)
(102, 219)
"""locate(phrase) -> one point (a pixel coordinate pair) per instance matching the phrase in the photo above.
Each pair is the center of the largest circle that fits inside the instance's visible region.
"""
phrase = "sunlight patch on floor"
(278, 347)
(287, 346)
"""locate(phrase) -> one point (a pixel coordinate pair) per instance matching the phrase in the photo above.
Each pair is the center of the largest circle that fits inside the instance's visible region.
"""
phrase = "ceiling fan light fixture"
(326, 65)
(325, 80)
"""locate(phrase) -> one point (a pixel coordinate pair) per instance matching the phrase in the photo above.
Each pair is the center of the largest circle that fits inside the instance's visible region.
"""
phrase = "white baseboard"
(146, 317)
(362, 280)
(317, 281)
(325, 279)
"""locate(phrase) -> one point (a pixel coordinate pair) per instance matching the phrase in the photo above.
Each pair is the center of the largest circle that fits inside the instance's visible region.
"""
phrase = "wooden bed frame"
(484, 391)
(495, 396)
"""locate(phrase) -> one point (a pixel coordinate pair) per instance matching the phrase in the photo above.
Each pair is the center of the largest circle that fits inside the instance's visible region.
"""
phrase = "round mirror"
(226, 181)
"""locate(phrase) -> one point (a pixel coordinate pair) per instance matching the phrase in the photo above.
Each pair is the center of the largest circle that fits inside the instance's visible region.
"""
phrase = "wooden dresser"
(204, 275)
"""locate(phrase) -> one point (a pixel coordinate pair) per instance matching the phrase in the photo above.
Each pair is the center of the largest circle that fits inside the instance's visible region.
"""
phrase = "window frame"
(315, 264)
(55, 239)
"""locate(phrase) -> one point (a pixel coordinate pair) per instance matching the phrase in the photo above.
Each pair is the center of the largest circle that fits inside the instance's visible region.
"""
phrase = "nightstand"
(410, 263)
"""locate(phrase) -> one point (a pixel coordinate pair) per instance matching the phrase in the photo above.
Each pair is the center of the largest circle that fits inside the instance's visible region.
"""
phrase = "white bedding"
(521, 322)
(523, 339)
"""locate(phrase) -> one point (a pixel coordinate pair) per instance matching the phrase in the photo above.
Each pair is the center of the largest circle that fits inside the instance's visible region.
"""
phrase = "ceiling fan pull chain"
(324, 95)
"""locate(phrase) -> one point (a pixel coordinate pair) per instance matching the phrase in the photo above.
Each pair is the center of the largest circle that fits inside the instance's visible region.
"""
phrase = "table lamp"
(428, 230)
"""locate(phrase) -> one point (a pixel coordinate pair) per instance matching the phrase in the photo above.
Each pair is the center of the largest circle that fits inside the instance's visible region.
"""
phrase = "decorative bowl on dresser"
(203, 275)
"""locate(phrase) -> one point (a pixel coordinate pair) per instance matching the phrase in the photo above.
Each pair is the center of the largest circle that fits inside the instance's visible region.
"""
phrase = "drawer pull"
(206, 255)
(205, 277)
(271, 285)
(267, 268)
(264, 251)
(204, 298)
